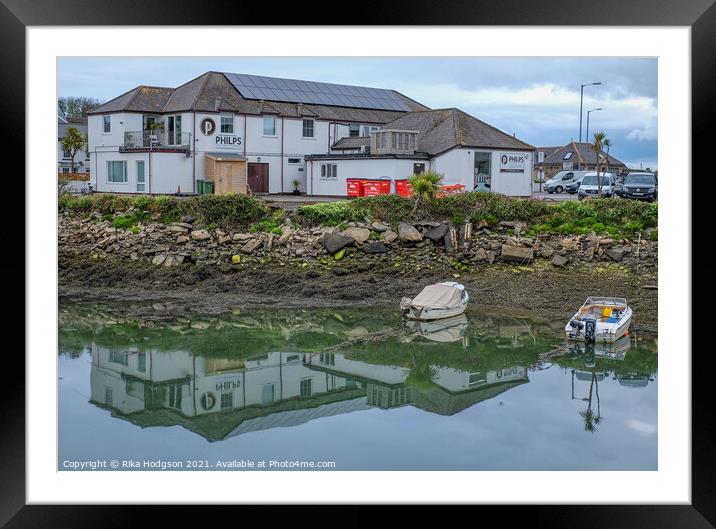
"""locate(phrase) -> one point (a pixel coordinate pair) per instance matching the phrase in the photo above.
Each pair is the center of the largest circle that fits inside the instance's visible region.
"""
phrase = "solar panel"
(295, 91)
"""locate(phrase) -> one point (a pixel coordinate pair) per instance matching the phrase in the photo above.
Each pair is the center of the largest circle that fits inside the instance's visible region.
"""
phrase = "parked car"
(640, 186)
(590, 185)
(559, 182)
(574, 186)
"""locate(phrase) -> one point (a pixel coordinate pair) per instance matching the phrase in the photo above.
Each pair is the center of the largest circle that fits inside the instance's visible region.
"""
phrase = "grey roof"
(355, 142)
(443, 129)
(361, 156)
(76, 124)
(139, 99)
(583, 154)
(213, 92)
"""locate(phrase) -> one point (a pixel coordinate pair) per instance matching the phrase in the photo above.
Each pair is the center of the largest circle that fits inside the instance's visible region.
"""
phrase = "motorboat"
(434, 302)
(616, 350)
(600, 320)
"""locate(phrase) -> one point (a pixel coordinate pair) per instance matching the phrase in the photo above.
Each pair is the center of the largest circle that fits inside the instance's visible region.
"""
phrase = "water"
(353, 388)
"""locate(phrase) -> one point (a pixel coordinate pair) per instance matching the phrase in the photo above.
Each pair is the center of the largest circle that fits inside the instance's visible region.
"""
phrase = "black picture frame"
(16, 15)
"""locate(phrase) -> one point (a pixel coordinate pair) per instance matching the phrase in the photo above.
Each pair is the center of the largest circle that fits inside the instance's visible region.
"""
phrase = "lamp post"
(581, 101)
(586, 137)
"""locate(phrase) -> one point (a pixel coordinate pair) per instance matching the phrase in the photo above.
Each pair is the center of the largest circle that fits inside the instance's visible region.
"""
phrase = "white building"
(154, 139)
(265, 133)
(462, 148)
(82, 158)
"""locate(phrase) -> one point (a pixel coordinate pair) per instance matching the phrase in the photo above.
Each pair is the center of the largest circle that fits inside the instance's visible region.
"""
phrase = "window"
(117, 172)
(227, 124)
(267, 393)
(294, 160)
(476, 378)
(65, 169)
(107, 124)
(227, 401)
(368, 129)
(140, 175)
(353, 130)
(65, 153)
(418, 168)
(482, 167)
(118, 357)
(108, 396)
(175, 396)
(174, 134)
(394, 140)
(306, 387)
(142, 362)
(269, 125)
(568, 155)
(308, 128)
(329, 170)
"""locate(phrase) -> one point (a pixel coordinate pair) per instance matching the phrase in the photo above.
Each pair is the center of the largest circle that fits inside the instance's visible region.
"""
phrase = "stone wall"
(186, 243)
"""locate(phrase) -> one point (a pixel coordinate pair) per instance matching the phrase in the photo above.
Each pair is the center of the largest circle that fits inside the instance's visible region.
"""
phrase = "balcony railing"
(156, 139)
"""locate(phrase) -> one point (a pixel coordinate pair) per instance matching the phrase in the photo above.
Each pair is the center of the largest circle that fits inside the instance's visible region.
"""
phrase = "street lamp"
(586, 137)
(581, 100)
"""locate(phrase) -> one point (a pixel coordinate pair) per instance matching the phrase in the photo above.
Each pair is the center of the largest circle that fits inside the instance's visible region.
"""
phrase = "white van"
(559, 182)
(590, 185)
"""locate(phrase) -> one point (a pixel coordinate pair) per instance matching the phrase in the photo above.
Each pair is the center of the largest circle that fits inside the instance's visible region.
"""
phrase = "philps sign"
(228, 141)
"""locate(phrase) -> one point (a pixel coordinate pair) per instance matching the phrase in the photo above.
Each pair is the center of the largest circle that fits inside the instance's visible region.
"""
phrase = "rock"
(546, 251)
(175, 228)
(437, 233)
(409, 233)
(559, 260)
(606, 243)
(616, 254)
(480, 255)
(133, 256)
(516, 254)
(359, 235)
(235, 259)
(243, 236)
(570, 244)
(173, 260)
(159, 259)
(224, 239)
(182, 239)
(379, 226)
(251, 246)
(200, 235)
(374, 247)
(188, 219)
(390, 236)
(451, 241)
(334, 241)
(340, 254)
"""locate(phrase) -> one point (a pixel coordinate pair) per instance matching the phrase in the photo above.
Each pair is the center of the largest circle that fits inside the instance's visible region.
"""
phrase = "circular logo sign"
(208, 126)
(504, 159)
(208, 400)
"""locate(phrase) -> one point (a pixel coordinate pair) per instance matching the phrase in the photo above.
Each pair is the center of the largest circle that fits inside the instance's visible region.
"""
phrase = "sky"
(537, 99)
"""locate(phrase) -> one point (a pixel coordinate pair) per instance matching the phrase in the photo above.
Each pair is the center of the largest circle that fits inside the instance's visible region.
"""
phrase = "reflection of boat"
(609, 350)
(441, 300)
(600, 320)
(445, 330)
(633, 380)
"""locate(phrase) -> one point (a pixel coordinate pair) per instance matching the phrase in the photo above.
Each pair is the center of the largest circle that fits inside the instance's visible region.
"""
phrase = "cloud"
(642, 427)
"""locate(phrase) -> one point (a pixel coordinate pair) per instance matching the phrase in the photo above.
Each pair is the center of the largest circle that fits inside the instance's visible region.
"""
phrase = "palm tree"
(599, 143)
(425, 186)
(72, 142)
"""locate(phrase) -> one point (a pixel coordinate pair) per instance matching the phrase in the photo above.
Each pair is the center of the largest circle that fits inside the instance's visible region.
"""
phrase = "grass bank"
(614, 217)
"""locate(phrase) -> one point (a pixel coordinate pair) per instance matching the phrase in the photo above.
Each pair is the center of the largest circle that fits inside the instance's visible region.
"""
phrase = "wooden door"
(258, 177)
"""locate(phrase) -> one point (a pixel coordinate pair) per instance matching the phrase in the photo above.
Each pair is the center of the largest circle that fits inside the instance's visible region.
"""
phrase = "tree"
(73, 141)
(77, 107)
(425, 186)
(598, 146)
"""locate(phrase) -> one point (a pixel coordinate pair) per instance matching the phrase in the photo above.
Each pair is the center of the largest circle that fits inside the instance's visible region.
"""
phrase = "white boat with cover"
(600, 320)
(441, 300)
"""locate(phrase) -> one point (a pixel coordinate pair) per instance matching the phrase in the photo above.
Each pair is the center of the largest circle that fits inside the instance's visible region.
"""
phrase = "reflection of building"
(219, 398)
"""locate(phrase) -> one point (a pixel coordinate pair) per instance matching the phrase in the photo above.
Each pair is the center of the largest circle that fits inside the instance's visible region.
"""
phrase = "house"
(82, 158)
(255, 130)
(466, 150)
(574, 156)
